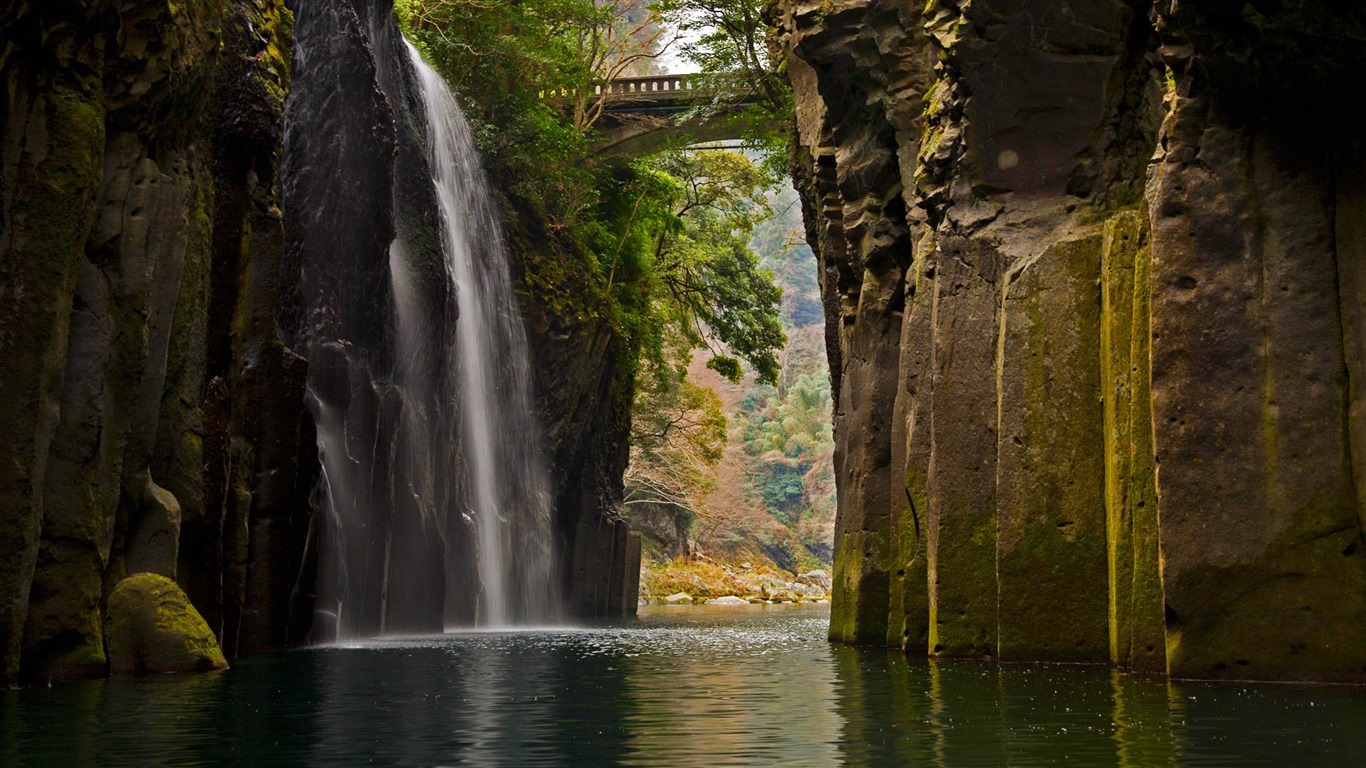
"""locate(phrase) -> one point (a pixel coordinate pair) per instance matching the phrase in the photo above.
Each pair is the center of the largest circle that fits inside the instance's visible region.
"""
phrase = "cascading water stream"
(509, 493)
(436, 500)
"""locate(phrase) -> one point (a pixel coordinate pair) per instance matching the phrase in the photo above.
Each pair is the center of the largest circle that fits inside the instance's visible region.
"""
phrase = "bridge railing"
(636, 89)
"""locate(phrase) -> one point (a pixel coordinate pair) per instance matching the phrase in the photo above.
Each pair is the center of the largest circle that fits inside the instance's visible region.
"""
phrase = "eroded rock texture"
(152, 417)
(1094, 316)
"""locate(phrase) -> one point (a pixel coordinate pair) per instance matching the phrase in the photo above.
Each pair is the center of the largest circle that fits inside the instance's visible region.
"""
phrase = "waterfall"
(436, 502)
(509, 490)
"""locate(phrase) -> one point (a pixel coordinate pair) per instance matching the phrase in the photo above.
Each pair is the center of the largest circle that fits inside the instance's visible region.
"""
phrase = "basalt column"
(852, 176)
(1256, 360)
(1011, 130)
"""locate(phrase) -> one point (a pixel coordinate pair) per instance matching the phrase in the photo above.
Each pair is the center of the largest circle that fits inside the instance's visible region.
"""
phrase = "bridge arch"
(641, 115)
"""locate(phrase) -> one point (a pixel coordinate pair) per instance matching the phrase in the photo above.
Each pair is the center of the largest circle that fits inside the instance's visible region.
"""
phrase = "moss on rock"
(152, 628)
(1050, 534)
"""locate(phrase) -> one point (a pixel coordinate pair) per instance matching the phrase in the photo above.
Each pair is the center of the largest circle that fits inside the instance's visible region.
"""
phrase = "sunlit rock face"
(150, 413)
(1094, 317)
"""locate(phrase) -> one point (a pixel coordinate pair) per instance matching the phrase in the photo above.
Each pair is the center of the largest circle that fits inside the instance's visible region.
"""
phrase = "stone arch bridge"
(642, 114)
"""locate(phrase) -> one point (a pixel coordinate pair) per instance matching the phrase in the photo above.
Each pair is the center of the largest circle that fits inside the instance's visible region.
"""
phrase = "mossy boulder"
(152, 628)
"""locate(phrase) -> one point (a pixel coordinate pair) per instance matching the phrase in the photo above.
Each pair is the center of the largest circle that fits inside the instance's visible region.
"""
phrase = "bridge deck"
(642, 113)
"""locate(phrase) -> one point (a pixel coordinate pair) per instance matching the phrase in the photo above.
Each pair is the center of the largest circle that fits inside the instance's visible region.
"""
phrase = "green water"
(686, 686)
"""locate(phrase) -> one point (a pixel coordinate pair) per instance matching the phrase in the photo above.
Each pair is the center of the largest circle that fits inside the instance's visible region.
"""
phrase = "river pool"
(682, 686)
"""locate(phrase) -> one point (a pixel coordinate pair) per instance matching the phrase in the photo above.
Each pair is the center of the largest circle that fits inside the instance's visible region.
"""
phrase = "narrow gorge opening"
(731, 483)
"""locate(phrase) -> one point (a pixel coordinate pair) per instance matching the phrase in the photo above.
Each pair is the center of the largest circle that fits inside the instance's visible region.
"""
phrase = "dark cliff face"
(152, 417)
(357, 182)
(583, 393)
(1093, 310)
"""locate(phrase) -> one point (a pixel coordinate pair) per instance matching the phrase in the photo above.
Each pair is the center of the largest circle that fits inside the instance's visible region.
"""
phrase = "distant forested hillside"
(768, 490)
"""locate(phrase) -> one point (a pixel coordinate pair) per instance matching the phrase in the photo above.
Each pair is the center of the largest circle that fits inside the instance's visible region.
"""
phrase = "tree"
(678, 432)
(616, 37)
(729, 45)
(558, 50)
(712, 293)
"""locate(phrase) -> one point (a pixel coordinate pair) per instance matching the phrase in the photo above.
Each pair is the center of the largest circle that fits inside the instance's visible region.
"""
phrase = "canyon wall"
(1093, 309)
(152, 416)
(584, 389)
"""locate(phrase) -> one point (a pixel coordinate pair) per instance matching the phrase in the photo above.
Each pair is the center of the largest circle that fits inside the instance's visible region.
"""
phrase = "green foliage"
(788, 433)
(795, 423)
(782, 489)
(730, 49)
(661, 242)
(674, 416)
(713, 288)
(783, 250)
(778, 499)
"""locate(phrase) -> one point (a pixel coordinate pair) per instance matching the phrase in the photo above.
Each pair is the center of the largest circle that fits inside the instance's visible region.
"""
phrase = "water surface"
(685, 686)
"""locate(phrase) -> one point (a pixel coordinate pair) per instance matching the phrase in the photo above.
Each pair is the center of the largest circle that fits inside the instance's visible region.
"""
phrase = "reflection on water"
(684, 686)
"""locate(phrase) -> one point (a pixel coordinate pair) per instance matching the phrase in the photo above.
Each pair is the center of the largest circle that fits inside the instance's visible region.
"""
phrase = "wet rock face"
(362, 217)
(1063, 244)
(139, 241)
(584, 401)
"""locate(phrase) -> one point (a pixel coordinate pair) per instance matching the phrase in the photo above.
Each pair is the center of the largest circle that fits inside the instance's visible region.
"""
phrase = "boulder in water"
(152, 628)
(728, 600)
(817, 579)
(679, 597)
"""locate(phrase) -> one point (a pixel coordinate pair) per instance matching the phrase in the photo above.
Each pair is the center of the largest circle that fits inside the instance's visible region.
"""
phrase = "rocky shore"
(703, 580)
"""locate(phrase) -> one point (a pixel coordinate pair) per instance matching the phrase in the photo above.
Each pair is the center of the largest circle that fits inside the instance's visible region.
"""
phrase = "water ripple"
(685, 686)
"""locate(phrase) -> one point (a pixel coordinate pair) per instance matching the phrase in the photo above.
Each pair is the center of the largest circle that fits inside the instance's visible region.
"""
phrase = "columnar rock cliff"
(1094, 311)
(152, 419)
